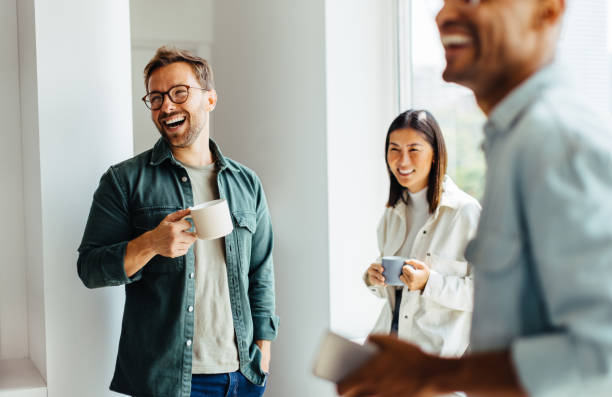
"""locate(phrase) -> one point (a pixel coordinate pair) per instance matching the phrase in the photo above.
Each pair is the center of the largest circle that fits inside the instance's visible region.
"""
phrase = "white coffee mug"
(211, 219)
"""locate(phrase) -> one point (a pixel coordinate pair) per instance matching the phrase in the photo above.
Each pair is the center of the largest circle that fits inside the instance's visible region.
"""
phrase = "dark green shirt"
(154, 357)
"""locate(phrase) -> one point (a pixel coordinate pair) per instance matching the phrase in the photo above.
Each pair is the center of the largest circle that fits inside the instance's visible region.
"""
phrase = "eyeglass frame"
(164, 93)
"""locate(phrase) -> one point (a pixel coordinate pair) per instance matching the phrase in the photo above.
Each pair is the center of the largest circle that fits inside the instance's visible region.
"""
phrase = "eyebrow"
(411, 144)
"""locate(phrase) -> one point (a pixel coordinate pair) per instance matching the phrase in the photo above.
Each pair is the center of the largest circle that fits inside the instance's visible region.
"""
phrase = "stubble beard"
(189, 137)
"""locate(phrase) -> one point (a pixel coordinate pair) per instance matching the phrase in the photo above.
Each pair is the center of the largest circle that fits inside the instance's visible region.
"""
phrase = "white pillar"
(13, 309)
(361, 103)
(76, 105)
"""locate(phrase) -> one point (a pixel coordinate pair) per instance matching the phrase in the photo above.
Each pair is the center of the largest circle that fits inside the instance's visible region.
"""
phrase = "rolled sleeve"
(265, 327)
(103, 266)
(434, 283)
(453, 292)
(261, 275)
(107, 233)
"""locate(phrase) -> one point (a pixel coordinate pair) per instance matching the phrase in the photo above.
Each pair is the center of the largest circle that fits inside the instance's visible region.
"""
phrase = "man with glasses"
(542, 256)
(199, 315)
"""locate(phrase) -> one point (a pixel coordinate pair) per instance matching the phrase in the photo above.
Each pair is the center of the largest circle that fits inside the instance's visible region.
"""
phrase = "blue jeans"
(233, 384)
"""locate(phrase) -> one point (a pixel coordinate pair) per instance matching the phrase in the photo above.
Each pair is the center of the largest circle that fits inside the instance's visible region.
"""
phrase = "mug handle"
(190, 219)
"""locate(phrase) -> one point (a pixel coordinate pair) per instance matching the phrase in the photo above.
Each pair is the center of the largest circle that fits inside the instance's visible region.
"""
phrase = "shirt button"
(424, 231)
(428, 254)
(190, 308)
(188, 343)
(183, 179)
(191, 275)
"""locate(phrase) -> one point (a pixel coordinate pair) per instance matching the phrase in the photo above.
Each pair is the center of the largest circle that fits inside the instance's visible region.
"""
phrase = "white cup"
(211, 219)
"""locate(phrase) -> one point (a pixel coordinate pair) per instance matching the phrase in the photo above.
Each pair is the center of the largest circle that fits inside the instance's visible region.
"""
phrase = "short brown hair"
(168, 55)
(425, 123)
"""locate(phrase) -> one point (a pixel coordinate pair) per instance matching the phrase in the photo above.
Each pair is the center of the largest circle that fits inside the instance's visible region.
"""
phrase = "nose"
(167, 105)
(405, 159)
(446, 14)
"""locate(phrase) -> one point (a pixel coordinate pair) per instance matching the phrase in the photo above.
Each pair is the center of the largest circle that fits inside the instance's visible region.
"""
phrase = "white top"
(417, 214)
(438, 318)
(214, 346)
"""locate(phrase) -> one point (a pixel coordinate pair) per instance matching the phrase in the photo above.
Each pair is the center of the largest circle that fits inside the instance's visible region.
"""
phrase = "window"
(421, 59)
(585, 49)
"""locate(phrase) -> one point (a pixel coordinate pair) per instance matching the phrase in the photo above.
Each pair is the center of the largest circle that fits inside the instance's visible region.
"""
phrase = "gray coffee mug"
(393, 269)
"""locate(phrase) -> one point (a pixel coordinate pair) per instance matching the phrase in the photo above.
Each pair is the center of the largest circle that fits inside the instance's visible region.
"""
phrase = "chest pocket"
(447, 266)
(244, 228)
(145, 219)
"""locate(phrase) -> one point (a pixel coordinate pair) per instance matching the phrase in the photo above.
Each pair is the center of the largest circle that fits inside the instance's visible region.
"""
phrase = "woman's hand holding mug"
(375, 274)
(415, 274)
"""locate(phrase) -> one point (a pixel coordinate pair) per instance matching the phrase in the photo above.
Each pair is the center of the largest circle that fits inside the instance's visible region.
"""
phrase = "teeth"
(174, 119)
(455, 39)
(406, 172)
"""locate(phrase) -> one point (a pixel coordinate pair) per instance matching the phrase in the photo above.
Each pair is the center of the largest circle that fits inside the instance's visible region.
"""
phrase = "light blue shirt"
(542, 256)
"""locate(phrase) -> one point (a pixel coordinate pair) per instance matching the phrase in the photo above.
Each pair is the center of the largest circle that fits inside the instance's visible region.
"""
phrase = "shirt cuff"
(265, 327)
(548, 366)
(434, 283)
(115, 272)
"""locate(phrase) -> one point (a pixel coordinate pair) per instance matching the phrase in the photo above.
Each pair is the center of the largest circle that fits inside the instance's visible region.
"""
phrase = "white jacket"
(438, 318)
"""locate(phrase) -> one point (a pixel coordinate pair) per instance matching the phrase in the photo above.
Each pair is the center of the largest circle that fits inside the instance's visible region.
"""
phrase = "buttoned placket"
(189, 264)
(416, 252)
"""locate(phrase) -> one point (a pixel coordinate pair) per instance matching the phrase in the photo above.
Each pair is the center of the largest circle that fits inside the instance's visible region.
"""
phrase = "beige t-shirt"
(214, 343)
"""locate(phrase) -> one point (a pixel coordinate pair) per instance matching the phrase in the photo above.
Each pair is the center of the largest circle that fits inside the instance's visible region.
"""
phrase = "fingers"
(378, 267)
(418, 265)
(376, 277)
(183, 224)
(192, 236)
(178, 215)
(408, 271)
(408, 277)
(375, 274)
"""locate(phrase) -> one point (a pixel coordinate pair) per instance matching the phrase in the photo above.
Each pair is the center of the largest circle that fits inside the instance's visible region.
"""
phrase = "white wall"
(32, 186)
(13, 304)
(84, 125)
(150, 29)
(269, 61)
(361, 103)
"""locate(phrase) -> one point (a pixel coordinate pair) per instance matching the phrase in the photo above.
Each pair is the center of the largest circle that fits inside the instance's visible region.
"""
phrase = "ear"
(211, 100)
(550, 12)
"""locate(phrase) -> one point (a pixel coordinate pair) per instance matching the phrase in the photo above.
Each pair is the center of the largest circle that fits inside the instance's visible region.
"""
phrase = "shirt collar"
(161, 152)
(449, 198)
(449, 193)
(505, 115)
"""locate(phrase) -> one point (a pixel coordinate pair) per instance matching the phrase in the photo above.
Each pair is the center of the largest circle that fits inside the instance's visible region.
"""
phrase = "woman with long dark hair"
(429, 222)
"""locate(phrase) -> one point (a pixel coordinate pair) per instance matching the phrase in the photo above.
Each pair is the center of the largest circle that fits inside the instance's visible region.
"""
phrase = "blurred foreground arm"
(401, 369)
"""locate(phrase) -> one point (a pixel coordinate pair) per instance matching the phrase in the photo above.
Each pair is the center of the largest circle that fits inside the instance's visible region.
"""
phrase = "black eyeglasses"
(177, 94)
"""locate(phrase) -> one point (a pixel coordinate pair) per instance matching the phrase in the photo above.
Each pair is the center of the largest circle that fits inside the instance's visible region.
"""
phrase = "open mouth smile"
(456, 41)
(174, 122)
(406, 172)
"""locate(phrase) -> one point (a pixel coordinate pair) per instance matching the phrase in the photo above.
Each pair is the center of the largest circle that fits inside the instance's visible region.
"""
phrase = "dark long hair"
(423, 122)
